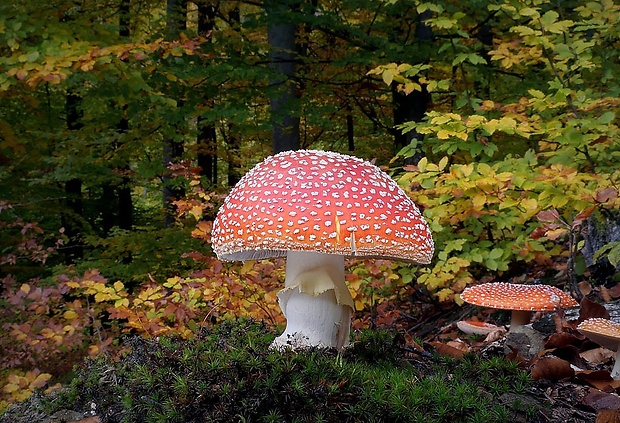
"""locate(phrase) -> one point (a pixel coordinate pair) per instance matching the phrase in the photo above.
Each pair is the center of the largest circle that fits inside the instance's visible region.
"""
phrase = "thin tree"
(176, 21)
(281, 36)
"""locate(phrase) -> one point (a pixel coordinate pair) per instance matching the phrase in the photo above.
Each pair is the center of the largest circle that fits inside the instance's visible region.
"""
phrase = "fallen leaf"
(590, 309)
(600, 400)
(447, 350)
(605, 294)
(597, 355)
(552, 369)
(608, 416)
(615, 291)
(585, 288)
(570, 353)
(560, 340)
(600, 379)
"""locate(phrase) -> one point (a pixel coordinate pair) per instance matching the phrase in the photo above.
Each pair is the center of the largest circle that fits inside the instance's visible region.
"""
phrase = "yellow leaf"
(443, 162)
(479, 201)
(25, 288)
(10, 388)
(40, 380)
(118, 286)
(388, 76)
(442, 134)
(70, 315)
(196, 211)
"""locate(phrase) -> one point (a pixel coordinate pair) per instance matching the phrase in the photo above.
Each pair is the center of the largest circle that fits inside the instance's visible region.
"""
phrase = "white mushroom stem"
(520, 318)
(315, 301)
(615, 371)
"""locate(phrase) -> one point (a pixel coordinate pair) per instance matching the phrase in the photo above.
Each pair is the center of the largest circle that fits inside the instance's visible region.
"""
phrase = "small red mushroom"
(477, 328)
(315, 208)
(605, 333)
(520, 298)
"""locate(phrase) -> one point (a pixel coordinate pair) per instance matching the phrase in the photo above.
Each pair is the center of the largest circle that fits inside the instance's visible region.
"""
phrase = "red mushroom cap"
(512, 296)
(323, 202)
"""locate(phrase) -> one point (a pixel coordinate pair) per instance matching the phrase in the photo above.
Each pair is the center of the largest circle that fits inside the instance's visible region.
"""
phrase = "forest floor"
(570, 376)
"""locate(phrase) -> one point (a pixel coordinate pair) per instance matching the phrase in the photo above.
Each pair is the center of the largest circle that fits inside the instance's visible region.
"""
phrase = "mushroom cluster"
(315, 208)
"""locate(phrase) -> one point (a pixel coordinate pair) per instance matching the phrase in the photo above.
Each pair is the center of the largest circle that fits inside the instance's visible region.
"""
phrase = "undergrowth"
(228, 373)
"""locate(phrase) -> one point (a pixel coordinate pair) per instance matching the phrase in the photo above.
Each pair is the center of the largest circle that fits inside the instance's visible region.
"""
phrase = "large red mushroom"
(315, 208)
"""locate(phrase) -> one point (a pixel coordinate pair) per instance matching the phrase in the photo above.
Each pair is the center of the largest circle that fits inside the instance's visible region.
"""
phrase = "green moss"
(228, 373)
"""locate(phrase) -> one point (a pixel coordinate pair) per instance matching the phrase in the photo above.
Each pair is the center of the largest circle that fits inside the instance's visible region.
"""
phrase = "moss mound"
(227, 373)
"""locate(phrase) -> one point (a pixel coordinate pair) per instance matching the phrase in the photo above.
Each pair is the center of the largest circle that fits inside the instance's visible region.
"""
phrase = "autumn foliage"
(515, 167)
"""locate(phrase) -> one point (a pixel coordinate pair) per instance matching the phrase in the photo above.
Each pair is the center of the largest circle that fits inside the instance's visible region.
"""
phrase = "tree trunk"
(176, 21)
(281, 37)
(412, 107)
(72, 217)
(207, 135)
(125, 202)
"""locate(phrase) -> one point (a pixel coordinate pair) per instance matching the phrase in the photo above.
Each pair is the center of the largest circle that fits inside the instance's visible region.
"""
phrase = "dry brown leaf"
(600, 379)
(608, 416)
(552, 369)
(447, 350)
(590, 309)
(570, 353)
(597, 355)
(495, 335)
(585, 288)
(559, 340)
(605, 294)
(600, 400)
(614, 291)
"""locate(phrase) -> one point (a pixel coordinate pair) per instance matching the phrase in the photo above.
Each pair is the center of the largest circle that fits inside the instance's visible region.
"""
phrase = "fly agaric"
(471, 327)
(605, 333)
(521, 299)
(315, 208)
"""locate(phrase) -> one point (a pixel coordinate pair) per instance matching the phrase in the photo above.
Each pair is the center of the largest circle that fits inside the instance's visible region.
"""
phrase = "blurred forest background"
(123, 123)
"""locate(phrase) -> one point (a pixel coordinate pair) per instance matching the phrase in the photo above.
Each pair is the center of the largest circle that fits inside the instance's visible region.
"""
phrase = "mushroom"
(605, 333)
(521, 299)
(472, 327)
(315, 208)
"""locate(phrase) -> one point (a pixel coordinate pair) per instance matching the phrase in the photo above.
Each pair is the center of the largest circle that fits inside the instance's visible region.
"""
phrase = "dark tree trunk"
(412, 107)
(350, 130)
(72, 217)
(207, 136)
(207, 151)
(176, 21)
(233, 157)
(125, 202)
(281, 37)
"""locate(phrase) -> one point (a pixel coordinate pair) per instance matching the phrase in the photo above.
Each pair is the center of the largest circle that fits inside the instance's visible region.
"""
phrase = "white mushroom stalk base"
(615, 371)
(315, 301)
